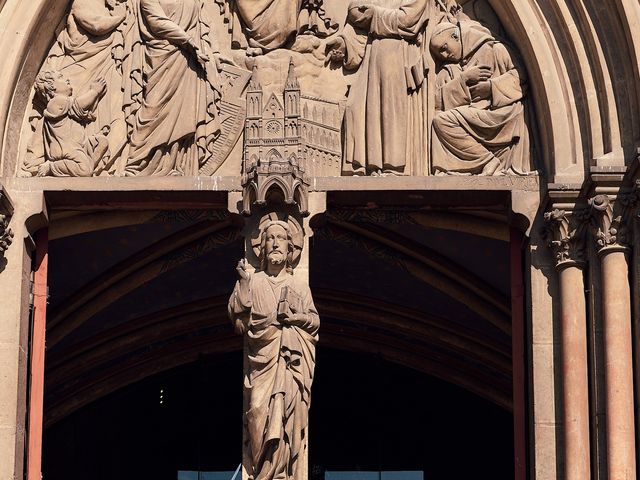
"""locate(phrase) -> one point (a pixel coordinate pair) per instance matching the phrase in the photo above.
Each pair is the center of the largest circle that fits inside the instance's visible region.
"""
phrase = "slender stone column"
(566, 231)
(611, 232)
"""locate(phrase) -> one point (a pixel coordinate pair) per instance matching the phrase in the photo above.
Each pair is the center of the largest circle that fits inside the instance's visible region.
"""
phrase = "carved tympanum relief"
(377, 87)
(274, 311)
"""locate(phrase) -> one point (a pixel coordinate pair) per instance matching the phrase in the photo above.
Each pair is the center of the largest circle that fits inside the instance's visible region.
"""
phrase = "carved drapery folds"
(479, 127)
(274, 311)
(157, 88)
(566, 235)
(6, 211)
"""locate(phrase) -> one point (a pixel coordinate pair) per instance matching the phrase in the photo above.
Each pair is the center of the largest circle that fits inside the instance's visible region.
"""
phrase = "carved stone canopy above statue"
(161, 88)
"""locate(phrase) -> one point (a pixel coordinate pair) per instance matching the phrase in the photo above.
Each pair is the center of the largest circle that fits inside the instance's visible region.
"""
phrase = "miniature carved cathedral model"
(287, 139)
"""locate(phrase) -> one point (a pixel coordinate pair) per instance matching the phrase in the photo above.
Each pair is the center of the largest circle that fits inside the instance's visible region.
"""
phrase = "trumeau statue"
(275, 313)
(375, 92)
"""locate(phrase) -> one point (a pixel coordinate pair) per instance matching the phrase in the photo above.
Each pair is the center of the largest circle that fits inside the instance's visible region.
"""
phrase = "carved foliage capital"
(610, 220)
(6, 211)
(565, 231)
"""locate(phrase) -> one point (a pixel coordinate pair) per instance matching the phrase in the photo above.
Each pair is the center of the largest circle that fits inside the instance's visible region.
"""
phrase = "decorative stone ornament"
(566, 235)
(273, 158)
(609, 220)
(6, 211)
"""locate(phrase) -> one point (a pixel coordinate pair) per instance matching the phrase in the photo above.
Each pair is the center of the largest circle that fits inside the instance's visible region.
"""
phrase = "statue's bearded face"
(276, 244)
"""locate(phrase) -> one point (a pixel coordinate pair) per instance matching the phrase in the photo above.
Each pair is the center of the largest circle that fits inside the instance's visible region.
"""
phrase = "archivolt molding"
(164, 340)
(135, 271)
(580, 76)
(427, 266)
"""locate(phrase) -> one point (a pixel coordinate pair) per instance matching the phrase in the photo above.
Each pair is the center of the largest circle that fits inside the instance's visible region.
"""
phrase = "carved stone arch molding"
(581, 60)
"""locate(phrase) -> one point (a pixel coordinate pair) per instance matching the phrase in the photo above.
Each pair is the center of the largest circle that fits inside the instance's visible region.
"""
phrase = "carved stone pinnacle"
(565, 232)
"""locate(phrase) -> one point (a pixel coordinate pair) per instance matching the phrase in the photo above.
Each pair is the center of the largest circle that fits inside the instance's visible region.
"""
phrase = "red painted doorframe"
(517, 242)
(36, 366)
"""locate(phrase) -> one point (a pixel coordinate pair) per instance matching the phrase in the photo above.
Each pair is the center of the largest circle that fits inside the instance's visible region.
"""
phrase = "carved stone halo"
(297, 234)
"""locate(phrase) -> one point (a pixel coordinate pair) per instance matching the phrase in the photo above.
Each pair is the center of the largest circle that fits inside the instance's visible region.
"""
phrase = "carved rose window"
(274, 128)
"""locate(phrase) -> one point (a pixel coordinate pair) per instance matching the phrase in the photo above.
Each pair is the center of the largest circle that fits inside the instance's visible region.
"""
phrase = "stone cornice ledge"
(397, 183)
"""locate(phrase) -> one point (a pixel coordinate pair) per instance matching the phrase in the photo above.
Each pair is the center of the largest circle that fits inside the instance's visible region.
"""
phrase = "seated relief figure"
(90, 46)
(172, 89)
(479, 126)
(275, 313)
(68, 151)
(386, 111)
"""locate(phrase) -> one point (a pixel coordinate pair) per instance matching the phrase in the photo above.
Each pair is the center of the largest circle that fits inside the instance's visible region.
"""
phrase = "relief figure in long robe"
(90, 47)
(384, 124)
(172, 89)
(479, 127)
(274, 311)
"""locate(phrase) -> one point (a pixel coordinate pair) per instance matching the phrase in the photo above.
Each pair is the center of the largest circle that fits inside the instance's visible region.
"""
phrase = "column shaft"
(574, 373)
(616, 306)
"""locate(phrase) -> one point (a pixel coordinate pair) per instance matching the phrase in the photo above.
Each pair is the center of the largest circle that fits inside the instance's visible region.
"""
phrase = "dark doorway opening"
(367, 415)
(144, 374)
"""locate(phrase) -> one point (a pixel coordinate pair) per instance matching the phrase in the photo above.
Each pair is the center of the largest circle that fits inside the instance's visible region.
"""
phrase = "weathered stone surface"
(274, 311)
(160, 88)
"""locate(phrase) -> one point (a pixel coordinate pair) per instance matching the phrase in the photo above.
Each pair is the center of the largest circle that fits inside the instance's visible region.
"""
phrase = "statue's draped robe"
(268, 24)
(66, 145)
(83, 54)
(468, 134)
(386, 113)
(279, 373)
(169, 101)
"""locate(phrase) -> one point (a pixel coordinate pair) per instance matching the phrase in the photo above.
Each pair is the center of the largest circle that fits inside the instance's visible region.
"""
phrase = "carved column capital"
(610, 221)
(565, 231)
(6, 211)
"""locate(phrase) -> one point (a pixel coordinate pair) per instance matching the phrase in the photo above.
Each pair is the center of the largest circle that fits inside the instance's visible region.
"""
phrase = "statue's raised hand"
(244, 280)
(241, 268)
(200, 56)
